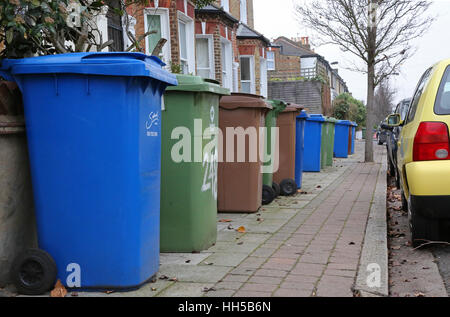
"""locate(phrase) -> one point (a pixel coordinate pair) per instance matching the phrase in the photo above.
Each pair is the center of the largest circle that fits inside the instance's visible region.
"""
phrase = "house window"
(154, 25)
(247, 75)
(183, 47)
(227, 64)
(244, 11)
(270, 60)
(205, 57)
(157, 20)
(186, 41)
(225, 5)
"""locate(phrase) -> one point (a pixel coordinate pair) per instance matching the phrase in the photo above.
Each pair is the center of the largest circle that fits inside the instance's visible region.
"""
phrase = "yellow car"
(424, 156)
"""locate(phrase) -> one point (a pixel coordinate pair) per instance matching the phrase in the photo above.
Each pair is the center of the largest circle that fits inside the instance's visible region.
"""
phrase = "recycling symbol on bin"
(212, 114)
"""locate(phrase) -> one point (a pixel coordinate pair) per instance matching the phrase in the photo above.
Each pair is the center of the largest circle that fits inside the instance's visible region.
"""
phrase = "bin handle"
(212, 81)
(138, 56)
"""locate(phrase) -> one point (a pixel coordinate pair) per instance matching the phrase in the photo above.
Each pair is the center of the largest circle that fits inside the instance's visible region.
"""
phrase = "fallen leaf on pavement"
(59, 290)
(241, 229)
(173, 279)
(396, 248)
(163, 277)
(225, 220)
(419, 294)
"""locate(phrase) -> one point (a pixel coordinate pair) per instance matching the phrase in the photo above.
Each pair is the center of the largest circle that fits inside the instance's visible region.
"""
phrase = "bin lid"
(344, 122)
(278, 105)
(354, 124)
(331, 120)
(112, 64)
(303, 115)
(241, 100)
(198, 84)
(292, 107)
(316, 118)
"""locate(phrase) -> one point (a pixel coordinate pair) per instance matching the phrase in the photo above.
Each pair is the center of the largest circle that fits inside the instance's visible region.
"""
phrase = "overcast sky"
(277, 18)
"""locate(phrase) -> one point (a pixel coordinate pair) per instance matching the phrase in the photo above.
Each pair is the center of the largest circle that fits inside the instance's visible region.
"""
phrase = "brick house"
(216, 45)
(252, 48)
(225, 39)
(293, 66)
(216, 41)
(173, 20)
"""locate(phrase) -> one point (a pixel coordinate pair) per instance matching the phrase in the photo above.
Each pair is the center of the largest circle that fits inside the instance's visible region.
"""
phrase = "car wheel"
(404, 201)
(288, 187)
(391, 168)
(34, 272)
(422, 230)
(268, 195)
(277, 189)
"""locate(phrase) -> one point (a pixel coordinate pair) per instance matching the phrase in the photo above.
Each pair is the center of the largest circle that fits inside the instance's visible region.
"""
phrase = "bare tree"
(383, 101)
(379, 32)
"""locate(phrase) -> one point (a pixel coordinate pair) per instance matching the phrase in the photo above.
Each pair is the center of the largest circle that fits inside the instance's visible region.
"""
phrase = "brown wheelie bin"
(240, 183)
(286, 154)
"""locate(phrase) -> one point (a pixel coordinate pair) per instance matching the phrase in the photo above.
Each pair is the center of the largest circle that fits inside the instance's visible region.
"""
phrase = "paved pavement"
(306, 245)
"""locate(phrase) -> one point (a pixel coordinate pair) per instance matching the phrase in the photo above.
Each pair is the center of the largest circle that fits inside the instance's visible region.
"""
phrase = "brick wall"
(286, 66)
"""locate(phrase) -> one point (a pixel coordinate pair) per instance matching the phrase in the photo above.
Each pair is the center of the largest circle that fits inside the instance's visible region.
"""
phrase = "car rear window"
(442, 105)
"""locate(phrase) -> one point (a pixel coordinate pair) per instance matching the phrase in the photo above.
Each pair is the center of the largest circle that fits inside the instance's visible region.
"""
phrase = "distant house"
(300, 75)
(216, 42)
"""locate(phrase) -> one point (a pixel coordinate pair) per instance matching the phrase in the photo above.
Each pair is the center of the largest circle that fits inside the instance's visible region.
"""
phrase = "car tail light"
(431, 142)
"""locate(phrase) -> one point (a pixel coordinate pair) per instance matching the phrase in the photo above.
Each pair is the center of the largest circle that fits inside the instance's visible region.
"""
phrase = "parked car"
(423, 156)
(393, 138)
(381, 134)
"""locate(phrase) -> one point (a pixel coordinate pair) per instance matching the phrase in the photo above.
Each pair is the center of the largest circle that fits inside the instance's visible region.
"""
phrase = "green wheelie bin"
(189, 162)
(271, 190)
(327, 142)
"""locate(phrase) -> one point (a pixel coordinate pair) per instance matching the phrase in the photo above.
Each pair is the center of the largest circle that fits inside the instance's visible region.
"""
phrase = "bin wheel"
(268, 195)
(34, 272)
(288, 187)
(277, 189)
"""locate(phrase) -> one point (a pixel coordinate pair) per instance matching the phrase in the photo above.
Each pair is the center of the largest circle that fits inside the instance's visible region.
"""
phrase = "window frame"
(228, 70)
(211, 68)
(417, 95)
(225, 5)
(243, 11)
(165, 31)
(190, 43)
(252, 80)
(442, 85)
(269, 60)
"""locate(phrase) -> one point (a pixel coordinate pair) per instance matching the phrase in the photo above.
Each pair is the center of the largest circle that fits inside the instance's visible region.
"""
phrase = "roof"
(216, 10)
(291, 48)
(245, 32)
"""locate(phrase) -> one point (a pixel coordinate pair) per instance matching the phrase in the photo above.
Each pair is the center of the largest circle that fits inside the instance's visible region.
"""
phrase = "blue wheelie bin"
(313, 143)
(342, 139)
(300, 146)
(94, 134)
(354, 125)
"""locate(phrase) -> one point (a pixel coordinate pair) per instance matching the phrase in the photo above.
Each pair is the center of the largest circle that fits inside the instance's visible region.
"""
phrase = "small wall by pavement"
(17, 222)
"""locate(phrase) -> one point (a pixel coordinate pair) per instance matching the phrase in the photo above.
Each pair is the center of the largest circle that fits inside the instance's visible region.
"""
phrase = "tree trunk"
(370, 121)
(371, 49)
